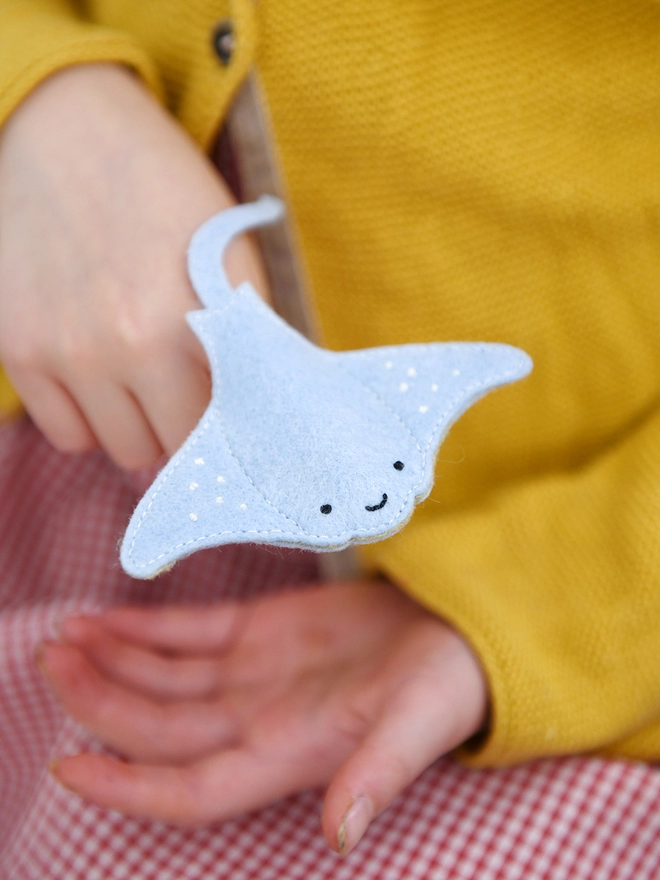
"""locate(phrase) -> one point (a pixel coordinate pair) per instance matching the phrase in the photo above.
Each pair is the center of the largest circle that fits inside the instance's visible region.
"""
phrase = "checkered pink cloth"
(60, 518)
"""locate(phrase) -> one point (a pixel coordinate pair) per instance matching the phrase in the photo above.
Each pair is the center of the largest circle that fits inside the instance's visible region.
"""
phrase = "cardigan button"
(223, 41)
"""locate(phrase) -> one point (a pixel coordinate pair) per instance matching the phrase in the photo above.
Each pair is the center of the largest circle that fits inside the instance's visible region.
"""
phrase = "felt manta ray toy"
(300, 446)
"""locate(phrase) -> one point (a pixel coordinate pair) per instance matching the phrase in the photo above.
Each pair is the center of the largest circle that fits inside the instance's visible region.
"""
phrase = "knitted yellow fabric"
(476, 169)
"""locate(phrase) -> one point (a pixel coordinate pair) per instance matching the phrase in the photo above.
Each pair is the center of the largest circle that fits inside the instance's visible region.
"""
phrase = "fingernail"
(39, 652)
(355, 822)
(59, 626)
(39, 658)
(52, 769)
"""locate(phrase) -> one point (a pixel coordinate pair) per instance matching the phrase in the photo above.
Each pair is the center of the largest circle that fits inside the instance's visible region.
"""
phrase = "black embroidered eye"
(398, 465)
(326, 508)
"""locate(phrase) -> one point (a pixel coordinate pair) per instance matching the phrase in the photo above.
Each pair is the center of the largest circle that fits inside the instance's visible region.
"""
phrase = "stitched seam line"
(184, 451)
(474, 387)
(339, 539)
(245, 474)
(175, 464)
(213, 355)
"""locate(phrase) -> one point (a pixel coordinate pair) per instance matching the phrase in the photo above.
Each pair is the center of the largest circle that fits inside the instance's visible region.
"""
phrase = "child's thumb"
(424, 722)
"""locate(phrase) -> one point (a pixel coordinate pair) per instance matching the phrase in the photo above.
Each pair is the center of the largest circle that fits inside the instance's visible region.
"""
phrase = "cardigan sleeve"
(556, 584)
(38, 37)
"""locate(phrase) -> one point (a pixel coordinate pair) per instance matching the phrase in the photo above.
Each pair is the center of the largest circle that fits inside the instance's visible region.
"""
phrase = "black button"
(223, 41)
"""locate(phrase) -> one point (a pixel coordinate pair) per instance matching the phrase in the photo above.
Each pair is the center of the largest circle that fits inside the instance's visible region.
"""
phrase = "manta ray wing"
(202, 498)
(430, 385)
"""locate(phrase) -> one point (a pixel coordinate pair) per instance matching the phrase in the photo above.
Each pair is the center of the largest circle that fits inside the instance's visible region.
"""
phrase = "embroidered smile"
(378, 506)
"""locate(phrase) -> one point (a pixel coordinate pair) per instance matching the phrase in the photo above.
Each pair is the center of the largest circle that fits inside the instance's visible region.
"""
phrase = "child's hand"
(100, 191)
(223, 709)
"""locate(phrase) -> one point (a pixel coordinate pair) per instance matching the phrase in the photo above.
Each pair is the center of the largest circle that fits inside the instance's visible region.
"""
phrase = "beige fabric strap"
(249, 133)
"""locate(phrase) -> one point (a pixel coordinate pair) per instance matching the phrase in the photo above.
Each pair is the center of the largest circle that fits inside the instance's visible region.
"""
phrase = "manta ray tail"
(208, 245)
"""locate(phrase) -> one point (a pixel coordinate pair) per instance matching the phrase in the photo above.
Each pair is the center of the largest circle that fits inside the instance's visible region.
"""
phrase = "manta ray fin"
(430, 385)
(202, 498)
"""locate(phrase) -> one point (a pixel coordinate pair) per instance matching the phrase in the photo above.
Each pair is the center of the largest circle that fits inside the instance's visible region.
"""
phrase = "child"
(473, 172)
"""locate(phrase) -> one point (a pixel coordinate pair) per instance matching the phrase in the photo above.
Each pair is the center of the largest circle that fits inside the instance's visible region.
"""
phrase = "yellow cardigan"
(471, 170)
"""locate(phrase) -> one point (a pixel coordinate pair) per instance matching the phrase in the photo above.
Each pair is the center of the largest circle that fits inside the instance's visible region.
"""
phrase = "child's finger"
(174, 393)
(430, 716)
(234, 782)
(155, 675)
(54, 412)
(132, 724)
(201, 629)
(390, 758)
(117, 420)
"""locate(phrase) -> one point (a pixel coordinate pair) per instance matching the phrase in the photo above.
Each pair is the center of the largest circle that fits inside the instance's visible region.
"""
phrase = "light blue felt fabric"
(300, 446)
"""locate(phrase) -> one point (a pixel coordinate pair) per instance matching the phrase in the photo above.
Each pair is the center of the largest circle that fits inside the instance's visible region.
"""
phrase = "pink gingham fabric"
(60, 519)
